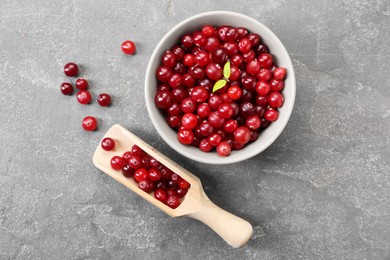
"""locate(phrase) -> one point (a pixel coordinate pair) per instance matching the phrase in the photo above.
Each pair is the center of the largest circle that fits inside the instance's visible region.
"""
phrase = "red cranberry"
(231, 35)
(219, 56)
(236, 108)
(199, 94)
(276, 85)
(84, 97)
(187, 41)
(262, 48)
(174, 109)
(66, 88)
(253, 122)
(163, 73)
(224, 149)
(82, 84)
(163, 99)
(179, 94)
(230, 126)
(261, 101)
(181, 192)
(244, 45)
(234, 92)
(71, 69)
(265, 60)
(264, 74)
(104, 99)
(215, 119)
(162, 184)
(179, 52)
(242, 134)
(225, 110)
(271, 115)
(247, 96)
(108, 144)
(214, 71)
(146, 186)
(197, 72)
(126, 156)
(202, 58)
(231, 48)
(188, 80)
(189, 121)
(175, 80)
(250, 55)
(206, 128)
(180, 68)
(173, 201)
(205, 146)
(117, 163)
(262, 88)
(198, 38)
(214, 102)
(160, 195)
(188, 105)
(136, 150)
(208, 30)
(254, 38)
(249, 83)
(135, 162)
(211, 44)
(140, 175)
(275, 100)
(237, 60)
(173, 121)
(264, 123)
(280, 73)
(215, 139)
(169, 59)
(189, 60)
(259, 111)
(246, 109)
(128, 47)
(254, 136)
(154, 163)
(127, 171)
(154, 175)
(185, 136)
(242, 32)
(89, 123)
(222, 32)
(203, 110)
(253, 67)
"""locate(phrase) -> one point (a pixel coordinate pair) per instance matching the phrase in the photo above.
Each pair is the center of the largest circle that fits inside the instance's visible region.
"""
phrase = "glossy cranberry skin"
(249, 83)
(280, 73)
(202, 58)
(154, 175)
(173, 121)
(262, 88)
(211, 44)
(84, 97)
(136, 150)
(225, 98)
(163, 73)
(250, 55)
(89, 123)
(135, 162)
(108, 144)
(253, 67)
(185, 136)
(214, 71)
(174, 109)
(179, 52)
(66, 88)
(163, 99)
(173, 201)
(181, 192)
(254, 38)
(188, 105)
(203, 110)
(214, 102)
(275, 100)
(104, 99)
(231, 35)
(127, 171)
(253, 122)
(189, 121)
(206, 129)
(187, 41)
(197, 72)
(244, 45)
(242, 134)
(224, 149)
(126, 156)
(264, 74)
(205, 146)
(175, 80)
(188, 80)
(189, 60)
(178, 94)
(222, 32)
(259, 111)
(215, 139)
(261, 101)
(160, 195)
(180, 68)
(198, 38)
(242, 32)
(206, 83)
(231, 48)
(128, 47)
(81, 84)
(271, 115)
(265, 60)
(262, 48)
(254, 136)
(169, 59)
(117, 163)
(225, 110)
(230, 126)
(140, 175)
(276, 85)
(237, 60)
(146, 186)
(246, 109)
(208, 30)
(219, 56)
(71, 69)
(215, 119)
(199, 94)
(234, 92)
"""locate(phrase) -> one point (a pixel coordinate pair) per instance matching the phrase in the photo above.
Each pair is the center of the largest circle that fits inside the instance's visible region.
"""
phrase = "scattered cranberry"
(128, 47)
(84, 97)
(66, 88)
(104, 99)
(108, 144)
(89, 123)
(71, 69)
(81, 84)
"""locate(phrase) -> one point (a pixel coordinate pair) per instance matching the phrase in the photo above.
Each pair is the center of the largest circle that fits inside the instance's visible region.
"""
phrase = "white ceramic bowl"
(217, 18)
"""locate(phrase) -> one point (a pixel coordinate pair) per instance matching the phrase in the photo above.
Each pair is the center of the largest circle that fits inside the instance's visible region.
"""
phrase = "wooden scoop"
(234, 230)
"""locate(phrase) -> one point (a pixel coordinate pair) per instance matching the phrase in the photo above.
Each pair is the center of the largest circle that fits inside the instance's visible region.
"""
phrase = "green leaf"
(226, 70)
(219, 84)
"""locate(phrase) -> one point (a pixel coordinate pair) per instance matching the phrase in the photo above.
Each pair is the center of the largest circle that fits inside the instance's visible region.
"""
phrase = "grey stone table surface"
(321, 191)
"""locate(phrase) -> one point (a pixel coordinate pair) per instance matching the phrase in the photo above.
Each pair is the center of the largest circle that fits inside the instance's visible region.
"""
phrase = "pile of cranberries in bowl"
(219, 88)
(150, 175)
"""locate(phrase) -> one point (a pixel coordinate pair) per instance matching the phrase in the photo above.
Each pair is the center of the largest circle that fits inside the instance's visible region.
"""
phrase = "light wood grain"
(234, 230)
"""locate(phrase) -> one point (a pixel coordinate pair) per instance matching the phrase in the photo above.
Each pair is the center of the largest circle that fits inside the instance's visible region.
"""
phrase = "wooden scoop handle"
(234, 230)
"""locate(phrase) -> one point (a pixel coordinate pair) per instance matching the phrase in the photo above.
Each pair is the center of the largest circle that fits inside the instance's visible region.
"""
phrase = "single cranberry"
(265, 60)
(206, 83)
(203, 110)
(264, 123)
(89, 123)
(163, 73)
(214, 71)
(280, 73)
(231, 48)
(135, 162)
(259, 111)
(235, 73)
(254, 136)
(162, 184)
(254, 38)
(188, 80)
(188, 105)
(160, 195)
(206, 129)
(219, 56)
(67, 88)
(128, 47)
(187, 41)
(246, 109)
(81, 84)
(154, 175)
(262, 88)
(222, 32)
(250, 55)
(126, 155)
(173, 201)
(246, 96)
(237, 60)
(127, 171)
(174, 109)
(178, 94)
(202, 58)
(253, 67)
(230, 126)
(198, 38)
(236, 108)
(205, 146)
(215, 139)
(234, 92)
(71, 69)
(253, 122)
(175, 178)
(108, 144)
(208, 30)
(136, 150)
(249, 83)
(242, 32)
(179, 52)
(175, 80)
(244, 45)
(173, 121)
(211, 44)
(224, 149)
(271, 115)
(181, 192)
(185, 136)
(225, 110)
(104, 99)
(140, 175)
(163, 99)
(197, 72)
(189, 121)
(199, 94)
(242, 134)
(215, 101)
(189, 60)
(117, 163)
(231, 35)
(275, 100)
(84, 97)
(154, 163)
(166, 173)
(180, 68)
(215, 119)
(262, 48)
(146, 186)
(264, 74)
(276, 85)
(261, 101)
(169, 59)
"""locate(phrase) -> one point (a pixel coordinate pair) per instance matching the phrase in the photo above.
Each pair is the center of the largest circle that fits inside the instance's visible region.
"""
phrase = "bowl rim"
(249, 152)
